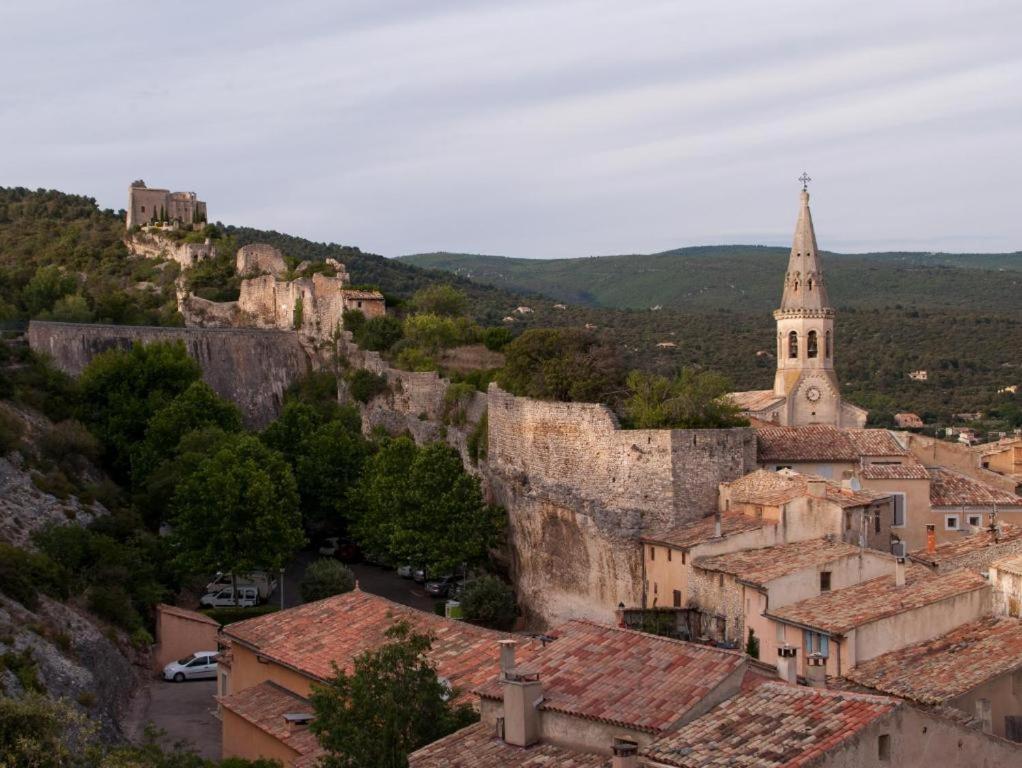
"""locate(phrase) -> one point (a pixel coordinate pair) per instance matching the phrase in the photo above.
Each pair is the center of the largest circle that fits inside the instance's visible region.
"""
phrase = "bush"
(365, 385)
(380, 333)
(24, 574)
(113, 603)
(496, 339)
(489, 601)
(478, 440)
(11, 430)
(440, 299)
(24, 668)
(325, 578)
(456, 400)
(69, 438)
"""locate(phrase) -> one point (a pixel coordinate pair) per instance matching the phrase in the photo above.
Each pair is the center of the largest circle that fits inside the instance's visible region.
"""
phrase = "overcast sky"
(547, 128)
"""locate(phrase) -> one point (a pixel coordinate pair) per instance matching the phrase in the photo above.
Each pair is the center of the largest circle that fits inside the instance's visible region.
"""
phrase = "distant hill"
(747, 278)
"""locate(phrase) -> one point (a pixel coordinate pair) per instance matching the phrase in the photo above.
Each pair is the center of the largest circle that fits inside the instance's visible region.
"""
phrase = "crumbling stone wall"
(147, 245)
(249, 367)
(260, 259)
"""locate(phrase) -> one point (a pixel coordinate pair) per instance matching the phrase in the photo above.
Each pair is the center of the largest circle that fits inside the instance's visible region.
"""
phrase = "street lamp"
(282, 588)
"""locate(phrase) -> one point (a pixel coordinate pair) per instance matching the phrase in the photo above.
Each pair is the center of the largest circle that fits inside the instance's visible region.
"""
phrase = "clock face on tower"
(812, 394)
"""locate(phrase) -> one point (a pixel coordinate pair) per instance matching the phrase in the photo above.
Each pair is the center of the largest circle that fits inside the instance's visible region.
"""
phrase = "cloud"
(535, 128)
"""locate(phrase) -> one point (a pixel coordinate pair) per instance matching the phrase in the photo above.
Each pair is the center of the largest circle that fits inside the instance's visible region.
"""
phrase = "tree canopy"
(691, 400)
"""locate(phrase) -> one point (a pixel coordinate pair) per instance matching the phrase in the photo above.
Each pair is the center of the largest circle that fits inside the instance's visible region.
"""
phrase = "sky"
(549, 128)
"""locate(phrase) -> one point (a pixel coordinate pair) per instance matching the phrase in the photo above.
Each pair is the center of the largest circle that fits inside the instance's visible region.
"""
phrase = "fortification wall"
(258, 259)
(249, 367)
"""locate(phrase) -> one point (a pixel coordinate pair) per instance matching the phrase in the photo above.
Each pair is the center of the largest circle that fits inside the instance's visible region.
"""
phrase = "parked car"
(262, 581)
(405, 571)
(225, 598)
(441, 587)
(419, 575)
(200, 665)
(344, 550)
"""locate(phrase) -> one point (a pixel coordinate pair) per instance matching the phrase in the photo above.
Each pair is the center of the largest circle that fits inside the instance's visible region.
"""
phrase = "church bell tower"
(805, 332)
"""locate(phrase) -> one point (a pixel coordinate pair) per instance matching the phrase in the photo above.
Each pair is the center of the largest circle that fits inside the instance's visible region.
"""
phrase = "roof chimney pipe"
(507, 656)
(816, 671)
(899, 571)
(931, 539)
(626, 754)
(787, 657)
(523, 695)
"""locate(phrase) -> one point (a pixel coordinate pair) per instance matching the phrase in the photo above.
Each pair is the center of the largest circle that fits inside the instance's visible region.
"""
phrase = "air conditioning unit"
(898, 548)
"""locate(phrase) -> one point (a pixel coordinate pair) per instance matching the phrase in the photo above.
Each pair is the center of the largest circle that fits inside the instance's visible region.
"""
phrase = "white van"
(258, 579)
(247, 597)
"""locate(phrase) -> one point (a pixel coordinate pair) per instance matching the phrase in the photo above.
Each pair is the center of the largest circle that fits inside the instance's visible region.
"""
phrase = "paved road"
(184, 711)
(379, 581)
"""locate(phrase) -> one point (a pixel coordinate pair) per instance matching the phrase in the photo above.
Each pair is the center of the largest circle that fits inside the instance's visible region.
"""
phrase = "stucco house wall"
(244, 740)
(246, 670)
(180, 633)
(1005, 696)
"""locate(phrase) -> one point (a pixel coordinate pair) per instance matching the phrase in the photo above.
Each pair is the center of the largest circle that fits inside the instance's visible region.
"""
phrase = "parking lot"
(185, 713)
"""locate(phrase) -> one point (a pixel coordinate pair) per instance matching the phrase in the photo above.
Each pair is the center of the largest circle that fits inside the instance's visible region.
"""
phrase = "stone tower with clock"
(806, 389)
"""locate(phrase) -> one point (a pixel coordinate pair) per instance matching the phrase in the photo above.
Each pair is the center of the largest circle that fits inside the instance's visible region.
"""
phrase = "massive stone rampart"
(250, 367)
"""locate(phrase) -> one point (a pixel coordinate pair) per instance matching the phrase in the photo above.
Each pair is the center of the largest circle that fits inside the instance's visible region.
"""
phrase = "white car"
(330, 546)
(201, 665)
(247, 597)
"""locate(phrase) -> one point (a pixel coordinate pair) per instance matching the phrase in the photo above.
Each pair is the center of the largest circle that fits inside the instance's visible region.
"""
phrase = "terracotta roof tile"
(969, 545)
(700, 531)
(951, 489)
(478, 747)
(773, 726)
(910, 470)
(756, 399)
(776, 488)
(760, 566)
(821, 442)
(947, 666)
(1009, 565)
(265, 705)
(624, 677)
(841, 610)
(313, 637)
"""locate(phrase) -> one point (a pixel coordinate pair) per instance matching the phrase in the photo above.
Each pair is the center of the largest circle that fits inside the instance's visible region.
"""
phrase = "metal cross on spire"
(805, 179)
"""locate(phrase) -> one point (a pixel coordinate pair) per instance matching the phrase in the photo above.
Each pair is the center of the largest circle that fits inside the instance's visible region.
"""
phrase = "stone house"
(908, 420)
(960, 504)
(1004, 458)
(1006, 582)
(977, 551)
(976, 669)
(180, 632)
(271, 662)
(852, 625)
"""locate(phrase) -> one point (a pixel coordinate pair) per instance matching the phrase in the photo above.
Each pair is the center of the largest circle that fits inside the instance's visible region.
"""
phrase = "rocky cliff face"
(249, 367)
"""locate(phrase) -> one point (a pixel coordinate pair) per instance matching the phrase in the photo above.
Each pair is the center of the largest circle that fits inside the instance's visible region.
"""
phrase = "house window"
(652, 553)
(975, 520)
(825, 581)
(669, 554)
(682, 557)
(848, 521)
(899, 510)
(677, 598)
(720, 580)
(950, 522)
(815, 642)
(884, 747)
(811, 350)
(876, 521)
(793, 344)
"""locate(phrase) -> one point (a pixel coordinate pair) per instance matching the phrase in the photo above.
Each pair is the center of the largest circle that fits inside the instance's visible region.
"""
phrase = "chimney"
(984, 714)
(786, 661)
(931, 539)
(846, 479)
(817, 670)
(716, 525)
(626, 754)
(817, 487)
(297, 721)
(507, 656)
(899, 571)
(523, 693)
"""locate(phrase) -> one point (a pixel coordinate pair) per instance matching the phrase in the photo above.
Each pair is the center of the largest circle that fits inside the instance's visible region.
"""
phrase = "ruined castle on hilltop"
(146, 206)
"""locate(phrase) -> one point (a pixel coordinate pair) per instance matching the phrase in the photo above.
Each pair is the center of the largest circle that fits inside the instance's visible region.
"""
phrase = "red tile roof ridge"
(649, 636)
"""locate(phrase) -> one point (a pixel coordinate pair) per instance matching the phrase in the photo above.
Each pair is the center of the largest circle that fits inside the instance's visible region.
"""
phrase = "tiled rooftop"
(477, 746)
(760, 566)
(947, 666)
(841, 610)
(700, 531)
(184, 613)
(776, 488)
(821, 442)
(265, 705)
(970, 544)
(910, 470)
(772, 726)
(1009, 565)
(951, 489)
(313, 637)
(623, 677)
(756, 399)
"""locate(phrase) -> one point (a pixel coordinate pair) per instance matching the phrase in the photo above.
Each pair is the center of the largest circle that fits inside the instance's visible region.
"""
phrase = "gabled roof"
(837, 612)
(184, 613)
(700, 531)
(947, 666)
(761, 566)
(910, 470)
(952, 489)
(264, 706)
(822, 442)
(623, 677)
(775, 488)
(971, 544)
(756, 400)
(773, 726)
(477, 746)
(313, 637)
(1009, 565)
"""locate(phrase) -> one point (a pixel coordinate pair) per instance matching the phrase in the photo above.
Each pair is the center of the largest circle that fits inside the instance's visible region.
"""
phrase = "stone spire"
(803, 285)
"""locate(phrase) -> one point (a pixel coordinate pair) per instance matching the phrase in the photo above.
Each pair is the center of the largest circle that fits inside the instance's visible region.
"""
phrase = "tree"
(561, 364)
(488, 600)
(328, 463)
(48, 284)
(288, 432)
(238, 511)
(440, 299)
(121, 390)
(325, 578)
(379, 333)
(421, 506)
(390, 704)
(692, 400)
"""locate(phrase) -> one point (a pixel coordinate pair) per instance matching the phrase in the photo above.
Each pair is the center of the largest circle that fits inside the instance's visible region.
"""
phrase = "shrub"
(141, 638)
(11, 430)
(324, 578)
(752, 644)
(24, 668)
(68, 438)
(496, 339)
(440, 299)
(299, 313)
(55, 483)
(113, 603)
(380, 333)
(24, 574)
(456, 400)
(365, 385)
(478, 440)
(488, 600)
